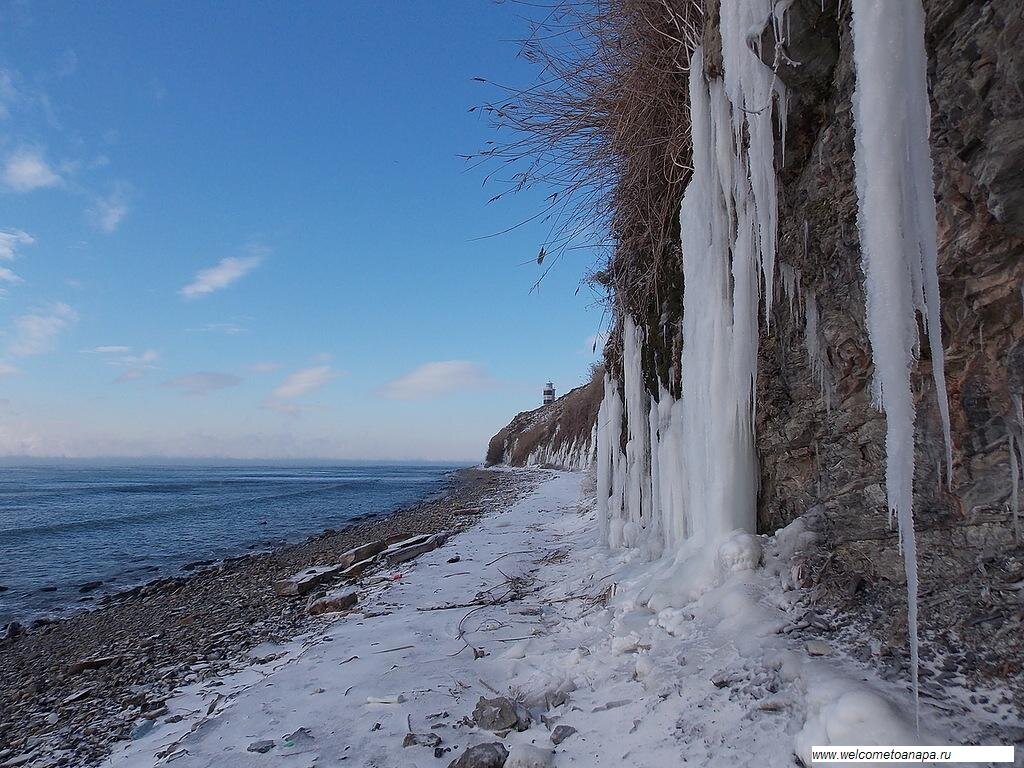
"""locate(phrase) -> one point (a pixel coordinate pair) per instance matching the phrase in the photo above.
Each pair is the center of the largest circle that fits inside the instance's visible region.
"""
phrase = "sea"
(63, 528)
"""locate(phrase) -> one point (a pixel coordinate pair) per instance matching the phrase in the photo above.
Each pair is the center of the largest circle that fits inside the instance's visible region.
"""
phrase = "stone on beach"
(333, 602)
(818, 648)
(93, 663)
(307, 579)
(561, 733)
(501, 714)
(362, 553)
(407, 550)
(492, 755)
(528, 756)
(421, 740)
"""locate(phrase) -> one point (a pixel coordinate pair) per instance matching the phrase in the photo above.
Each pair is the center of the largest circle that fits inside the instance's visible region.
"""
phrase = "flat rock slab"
(333, 602)
(362, 553)
(561, 733)
(355, 570)
(402, 553)
(306, 580)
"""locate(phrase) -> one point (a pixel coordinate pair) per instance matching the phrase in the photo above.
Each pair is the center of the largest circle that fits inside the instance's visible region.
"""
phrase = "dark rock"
(431, 740)
(561, 733)
(492, 755)
(810, 48)
(89, 586)
(94, 663)
(500, 714)
(13, 630)
(332, 602)
(262, 747)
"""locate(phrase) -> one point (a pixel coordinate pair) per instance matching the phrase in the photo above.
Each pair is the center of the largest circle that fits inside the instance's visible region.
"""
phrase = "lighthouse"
(549, 393)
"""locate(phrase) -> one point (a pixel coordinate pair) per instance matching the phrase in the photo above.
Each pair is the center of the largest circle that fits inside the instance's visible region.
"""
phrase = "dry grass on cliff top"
(606, 126)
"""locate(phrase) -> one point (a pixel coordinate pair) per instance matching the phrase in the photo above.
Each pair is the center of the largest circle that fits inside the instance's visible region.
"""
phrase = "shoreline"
(74, 686)
(90, 590)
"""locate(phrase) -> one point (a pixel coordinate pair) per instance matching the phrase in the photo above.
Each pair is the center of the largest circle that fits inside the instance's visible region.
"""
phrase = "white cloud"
(107, 212)
(203, 382)
(135, 366)
(437, 379)
(231, 329)
(6, 369)
(223, 274)
(6, 276)
(303, 382)
(26, 170)
(36, 332)
(11, 240)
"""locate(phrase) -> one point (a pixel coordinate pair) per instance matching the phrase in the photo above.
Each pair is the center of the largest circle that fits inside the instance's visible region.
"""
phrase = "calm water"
(61, 528)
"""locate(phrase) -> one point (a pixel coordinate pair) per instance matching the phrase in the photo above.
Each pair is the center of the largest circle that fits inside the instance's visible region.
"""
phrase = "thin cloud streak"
(11, 241)
(220, 276)
(437, 379)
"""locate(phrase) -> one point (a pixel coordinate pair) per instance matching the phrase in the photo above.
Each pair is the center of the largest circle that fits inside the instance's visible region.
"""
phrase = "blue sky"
(243, 229)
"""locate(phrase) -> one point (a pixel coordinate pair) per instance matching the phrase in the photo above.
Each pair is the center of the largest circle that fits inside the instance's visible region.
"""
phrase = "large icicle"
(898, 242)
(751, 87)
(719, 322)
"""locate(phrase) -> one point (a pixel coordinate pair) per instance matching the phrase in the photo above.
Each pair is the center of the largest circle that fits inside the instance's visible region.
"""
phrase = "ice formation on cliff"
(687, 479)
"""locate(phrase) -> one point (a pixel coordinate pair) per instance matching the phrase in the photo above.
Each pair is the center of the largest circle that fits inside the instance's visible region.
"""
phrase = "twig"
(391, 650)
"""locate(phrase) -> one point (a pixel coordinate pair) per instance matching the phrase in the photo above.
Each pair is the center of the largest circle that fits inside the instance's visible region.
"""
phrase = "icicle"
(1016, 462)
(750, 87)
(897, 224)
(719, 325)
(638, 473)
(609, 483)
(790, 278)
(656, 535)
(815, 352)
(1014, 488)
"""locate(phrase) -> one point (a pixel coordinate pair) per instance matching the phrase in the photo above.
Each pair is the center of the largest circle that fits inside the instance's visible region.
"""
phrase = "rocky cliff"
(820, 440)
(559, 435)
(820, 443)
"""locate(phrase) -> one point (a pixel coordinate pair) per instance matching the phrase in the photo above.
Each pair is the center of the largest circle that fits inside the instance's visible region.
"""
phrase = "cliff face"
(820, 441)
(821, 444)
(559, 435)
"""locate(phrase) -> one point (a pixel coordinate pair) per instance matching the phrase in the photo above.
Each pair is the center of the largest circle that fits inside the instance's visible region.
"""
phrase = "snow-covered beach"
(526, 610)
(71, 688)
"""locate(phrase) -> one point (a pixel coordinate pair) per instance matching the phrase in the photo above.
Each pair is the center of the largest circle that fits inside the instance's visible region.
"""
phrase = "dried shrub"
(607, 128)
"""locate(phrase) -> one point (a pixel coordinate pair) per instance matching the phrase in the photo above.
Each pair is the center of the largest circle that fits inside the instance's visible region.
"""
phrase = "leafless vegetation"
(605, 127)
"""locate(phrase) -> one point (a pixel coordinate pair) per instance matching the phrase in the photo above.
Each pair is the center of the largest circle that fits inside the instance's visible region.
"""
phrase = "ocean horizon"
(74, 530)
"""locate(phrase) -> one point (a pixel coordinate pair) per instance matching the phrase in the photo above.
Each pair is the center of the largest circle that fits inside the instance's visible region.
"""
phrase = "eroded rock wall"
(826, 452)
(559, 435)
